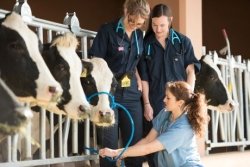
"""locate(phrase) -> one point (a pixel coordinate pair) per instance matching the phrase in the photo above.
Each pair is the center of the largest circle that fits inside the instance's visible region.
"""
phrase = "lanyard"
(120, 26)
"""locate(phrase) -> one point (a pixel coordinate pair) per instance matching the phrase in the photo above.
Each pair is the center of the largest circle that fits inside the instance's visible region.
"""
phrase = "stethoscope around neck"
(120, 26)
(173, 36)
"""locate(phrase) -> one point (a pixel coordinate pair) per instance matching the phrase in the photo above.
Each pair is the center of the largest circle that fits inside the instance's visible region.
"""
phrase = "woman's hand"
(108, 152)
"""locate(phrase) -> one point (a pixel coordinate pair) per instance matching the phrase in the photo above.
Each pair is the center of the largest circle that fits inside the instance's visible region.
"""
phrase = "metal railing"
(232, 129)
(45, 31)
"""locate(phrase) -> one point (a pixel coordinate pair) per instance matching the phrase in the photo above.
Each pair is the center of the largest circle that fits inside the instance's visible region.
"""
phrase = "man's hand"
(148, 112)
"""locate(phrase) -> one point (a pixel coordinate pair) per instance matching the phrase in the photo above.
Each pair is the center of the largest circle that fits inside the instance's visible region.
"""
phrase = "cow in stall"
(209, 81)
(66, 67)
(22, 66)
(97, 77)
(93, 75)
(79, 79)
(14, 115)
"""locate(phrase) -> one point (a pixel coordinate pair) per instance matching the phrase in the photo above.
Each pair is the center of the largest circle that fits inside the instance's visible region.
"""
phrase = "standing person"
(120, 43)
(172, 137)
(168, 56)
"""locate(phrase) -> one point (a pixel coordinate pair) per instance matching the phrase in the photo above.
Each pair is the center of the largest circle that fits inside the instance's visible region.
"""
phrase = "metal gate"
(45, 31)
(232, 129)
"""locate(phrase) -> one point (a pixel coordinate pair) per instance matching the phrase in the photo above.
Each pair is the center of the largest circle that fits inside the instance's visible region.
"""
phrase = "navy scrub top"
(121, 54)
(159, 66)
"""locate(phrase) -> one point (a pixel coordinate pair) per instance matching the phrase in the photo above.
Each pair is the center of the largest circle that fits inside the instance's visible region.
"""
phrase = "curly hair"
(194, 105)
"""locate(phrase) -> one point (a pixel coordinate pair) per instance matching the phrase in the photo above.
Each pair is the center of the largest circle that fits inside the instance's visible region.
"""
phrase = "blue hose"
(115, 105)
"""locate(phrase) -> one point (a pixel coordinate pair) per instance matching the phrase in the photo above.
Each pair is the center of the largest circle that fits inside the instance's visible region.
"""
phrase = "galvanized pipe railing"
(48, 28)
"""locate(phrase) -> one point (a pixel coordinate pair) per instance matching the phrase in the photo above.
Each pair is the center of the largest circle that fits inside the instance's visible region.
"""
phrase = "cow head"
(13, 115)
(66, 67)
(97, 77)
(21, 64)
(209, 81)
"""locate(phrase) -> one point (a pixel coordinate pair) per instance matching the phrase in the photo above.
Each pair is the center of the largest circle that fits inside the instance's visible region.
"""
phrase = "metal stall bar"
(236, 122)
(41, 26)
(247, 101)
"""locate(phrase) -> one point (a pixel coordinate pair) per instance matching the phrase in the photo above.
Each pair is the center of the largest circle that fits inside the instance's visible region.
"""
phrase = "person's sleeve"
(190, 57)
(142, 65)
(175, 136)
(158, 120)
(100, 43)
(142, 68)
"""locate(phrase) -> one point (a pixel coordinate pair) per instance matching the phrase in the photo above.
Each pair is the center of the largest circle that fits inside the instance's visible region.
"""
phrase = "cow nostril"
(52, 89)
(231, 105)
(81, 108)
(101, 113)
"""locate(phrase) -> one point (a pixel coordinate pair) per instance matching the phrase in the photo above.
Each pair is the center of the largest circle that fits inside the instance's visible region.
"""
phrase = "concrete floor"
(229, 159)
(232, 159)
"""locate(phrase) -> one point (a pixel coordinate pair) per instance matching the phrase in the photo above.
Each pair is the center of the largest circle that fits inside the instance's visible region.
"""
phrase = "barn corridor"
(229, 159)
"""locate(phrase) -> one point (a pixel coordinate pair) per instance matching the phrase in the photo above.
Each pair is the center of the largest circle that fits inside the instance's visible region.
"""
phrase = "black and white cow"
(97, 77)
(210, 82)
(21, 64)
(66, 68)
(14, 116)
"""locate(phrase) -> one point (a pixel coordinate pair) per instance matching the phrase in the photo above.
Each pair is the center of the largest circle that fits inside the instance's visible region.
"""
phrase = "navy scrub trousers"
(108, 136)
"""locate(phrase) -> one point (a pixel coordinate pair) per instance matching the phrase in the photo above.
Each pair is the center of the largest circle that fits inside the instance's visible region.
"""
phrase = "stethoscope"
(174, 37)
(120, 26)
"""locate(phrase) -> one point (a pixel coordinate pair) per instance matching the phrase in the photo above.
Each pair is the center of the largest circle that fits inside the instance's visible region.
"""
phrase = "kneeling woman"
(173, 134)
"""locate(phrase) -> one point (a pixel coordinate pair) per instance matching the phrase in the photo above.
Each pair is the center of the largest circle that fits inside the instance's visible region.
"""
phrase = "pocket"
(117, 53)
(179, 67)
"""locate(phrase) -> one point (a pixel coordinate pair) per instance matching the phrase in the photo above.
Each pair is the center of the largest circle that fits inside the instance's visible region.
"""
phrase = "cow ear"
(202, 57)
(87, 67)
(84, 73)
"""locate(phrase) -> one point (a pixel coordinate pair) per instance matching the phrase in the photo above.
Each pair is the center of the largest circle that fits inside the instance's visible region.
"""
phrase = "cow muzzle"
(103, 118)
(56, 93)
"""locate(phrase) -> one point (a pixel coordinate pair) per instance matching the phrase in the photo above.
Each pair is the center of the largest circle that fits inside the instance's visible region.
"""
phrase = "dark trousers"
(108, 136)
(147, 126)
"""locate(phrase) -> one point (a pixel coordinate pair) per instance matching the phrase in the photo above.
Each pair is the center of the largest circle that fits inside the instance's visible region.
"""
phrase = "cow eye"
(15, 45)
(61, 67)
(212, 77)
(88, 81)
